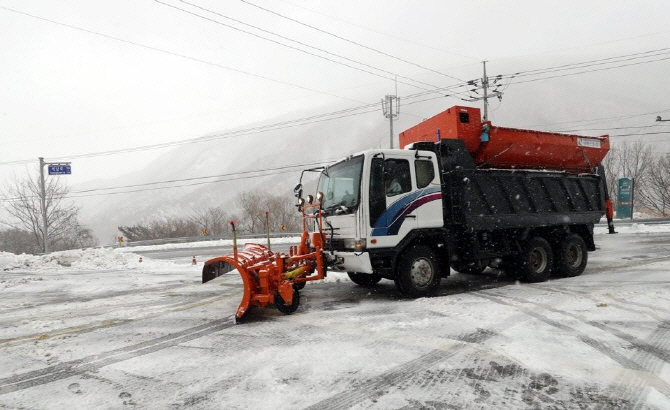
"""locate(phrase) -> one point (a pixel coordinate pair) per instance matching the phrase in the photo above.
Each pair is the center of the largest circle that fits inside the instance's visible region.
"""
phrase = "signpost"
(54, 168)
(624, 208)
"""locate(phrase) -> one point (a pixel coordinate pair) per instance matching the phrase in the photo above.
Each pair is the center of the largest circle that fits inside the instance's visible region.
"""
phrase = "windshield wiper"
(337, 209)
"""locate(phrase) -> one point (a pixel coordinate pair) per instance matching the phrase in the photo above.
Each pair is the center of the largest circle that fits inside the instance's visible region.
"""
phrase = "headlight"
(301, 201)
(319, 196)
(357, 245)
(310, 199)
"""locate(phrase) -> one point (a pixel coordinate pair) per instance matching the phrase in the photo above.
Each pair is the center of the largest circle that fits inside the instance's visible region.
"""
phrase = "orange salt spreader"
(499, 147)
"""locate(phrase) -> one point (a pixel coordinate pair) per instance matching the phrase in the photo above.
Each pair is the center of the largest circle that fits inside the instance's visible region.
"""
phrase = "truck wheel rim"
(574, 255)
(538, 260)
(421, 272)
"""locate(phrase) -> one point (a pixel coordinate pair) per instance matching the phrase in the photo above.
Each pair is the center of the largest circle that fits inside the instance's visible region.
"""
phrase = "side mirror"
(297, 191)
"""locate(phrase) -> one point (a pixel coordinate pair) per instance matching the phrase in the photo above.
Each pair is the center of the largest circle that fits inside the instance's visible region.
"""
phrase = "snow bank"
(125, 258)
(642, 228)
(79, 259)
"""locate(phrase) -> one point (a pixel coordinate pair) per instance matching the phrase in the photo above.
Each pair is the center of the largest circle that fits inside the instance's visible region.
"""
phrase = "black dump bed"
(491, 199)
(502, 199)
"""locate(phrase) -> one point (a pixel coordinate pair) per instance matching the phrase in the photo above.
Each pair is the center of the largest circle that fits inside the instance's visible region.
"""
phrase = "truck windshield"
(340, 184)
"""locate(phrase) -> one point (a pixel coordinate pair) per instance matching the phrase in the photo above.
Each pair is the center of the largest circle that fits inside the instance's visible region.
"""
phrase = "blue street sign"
(60, 169)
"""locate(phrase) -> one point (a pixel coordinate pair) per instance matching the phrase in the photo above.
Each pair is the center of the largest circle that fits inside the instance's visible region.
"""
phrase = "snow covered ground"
(97, 329)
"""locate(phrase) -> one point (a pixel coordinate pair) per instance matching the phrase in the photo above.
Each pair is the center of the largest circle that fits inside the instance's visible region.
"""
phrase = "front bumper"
(350, 261)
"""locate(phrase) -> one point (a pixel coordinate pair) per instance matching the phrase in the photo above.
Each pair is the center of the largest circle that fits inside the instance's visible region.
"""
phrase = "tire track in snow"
(77, 330)
(94, 362)
(411, 372)
(628, 363)
(651, 354)
(654, 309)
(634, 389)
(94, 297)
(622, 303)
(642, 345)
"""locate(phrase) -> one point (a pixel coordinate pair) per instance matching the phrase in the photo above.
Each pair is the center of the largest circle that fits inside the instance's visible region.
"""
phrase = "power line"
(602, 119)
(334, 115)
(382, 33)
(193, 181)
(610, 129)
(577, 66)
(225, 135)
(174, 54)
(591, 63)
(642, 133)
(296, 42)
(349, 40)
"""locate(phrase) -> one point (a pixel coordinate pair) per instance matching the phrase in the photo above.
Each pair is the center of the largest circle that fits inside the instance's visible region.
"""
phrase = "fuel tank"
(500, 147)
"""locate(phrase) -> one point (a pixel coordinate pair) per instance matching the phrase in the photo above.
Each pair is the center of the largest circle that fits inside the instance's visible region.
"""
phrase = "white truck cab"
(375, 199)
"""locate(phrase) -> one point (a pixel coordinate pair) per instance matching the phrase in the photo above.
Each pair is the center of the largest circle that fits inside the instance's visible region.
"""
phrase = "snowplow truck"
(460, 194)
(465, 195)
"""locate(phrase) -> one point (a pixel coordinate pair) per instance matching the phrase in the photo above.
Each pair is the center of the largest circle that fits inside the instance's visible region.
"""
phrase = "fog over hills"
(261, 160)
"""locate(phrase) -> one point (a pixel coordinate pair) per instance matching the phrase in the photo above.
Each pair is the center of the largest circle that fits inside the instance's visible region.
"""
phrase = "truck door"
(405, 194)
(427, 202)
(390, 189)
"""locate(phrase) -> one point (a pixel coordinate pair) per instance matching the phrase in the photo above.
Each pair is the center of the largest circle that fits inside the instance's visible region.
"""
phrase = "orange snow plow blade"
(272, 278)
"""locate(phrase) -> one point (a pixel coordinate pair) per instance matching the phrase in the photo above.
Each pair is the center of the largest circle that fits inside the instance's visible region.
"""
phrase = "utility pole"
(485, 86)
(43, 198)
(391, 110)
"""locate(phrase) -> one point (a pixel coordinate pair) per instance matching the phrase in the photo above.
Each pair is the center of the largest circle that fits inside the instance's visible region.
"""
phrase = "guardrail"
(208, 238)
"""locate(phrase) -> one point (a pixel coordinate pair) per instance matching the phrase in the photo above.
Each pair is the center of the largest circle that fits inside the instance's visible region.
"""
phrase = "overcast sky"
(82, 77)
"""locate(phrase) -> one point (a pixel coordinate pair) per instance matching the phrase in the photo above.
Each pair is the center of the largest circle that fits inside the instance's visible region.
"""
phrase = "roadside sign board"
(60, 169)
(624, 208)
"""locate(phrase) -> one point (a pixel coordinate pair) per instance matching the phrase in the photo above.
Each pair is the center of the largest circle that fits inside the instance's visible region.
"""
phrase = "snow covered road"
(108, 332)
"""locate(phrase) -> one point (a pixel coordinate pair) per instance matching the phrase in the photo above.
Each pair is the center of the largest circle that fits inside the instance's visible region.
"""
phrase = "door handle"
(410, 216)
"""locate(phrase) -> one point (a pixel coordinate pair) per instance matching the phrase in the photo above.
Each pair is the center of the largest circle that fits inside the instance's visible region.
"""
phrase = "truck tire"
(536, 260)
(364, 279)
(470, 268)
(418, 272)
(570, 257)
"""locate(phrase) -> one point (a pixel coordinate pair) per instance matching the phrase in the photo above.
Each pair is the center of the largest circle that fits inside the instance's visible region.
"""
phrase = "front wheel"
(364, 279)
(418, 272)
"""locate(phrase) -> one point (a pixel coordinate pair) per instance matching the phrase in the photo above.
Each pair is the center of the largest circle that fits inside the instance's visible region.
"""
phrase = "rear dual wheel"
(534, 263)
(571, 257)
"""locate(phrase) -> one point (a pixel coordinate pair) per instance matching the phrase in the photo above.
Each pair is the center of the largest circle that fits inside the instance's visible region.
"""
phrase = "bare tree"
(18, 241)
(630, 160)
(214, 219)
(656, 193)
(63, 228)
(161, 228)
(253, 210)
(281, 211)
